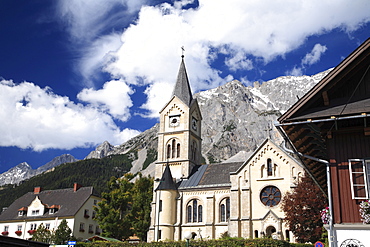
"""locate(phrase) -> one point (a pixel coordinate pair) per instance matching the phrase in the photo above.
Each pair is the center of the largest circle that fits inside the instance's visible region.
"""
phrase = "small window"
(189, 213)
(20, 213)
(19, 228)
(178, 150)
(173, 148)
(95, 202)
(51, 210)
(160, 206)
(35, 212)
(200, 213)
(91, 228)
(168, 151)
(6, 228)
(47, 226)
(225, 210)
(33, 227)
(269, 167)
(82, 227)
(86, 213)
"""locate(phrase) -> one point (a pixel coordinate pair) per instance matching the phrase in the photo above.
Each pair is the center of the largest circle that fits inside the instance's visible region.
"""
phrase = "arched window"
(194, 211)
(173, 148)
(269, 167)
(168, 151)
(178, 150)
(189, 213)
(225, 210)
(193, 151)
(200, 213)
(223, 215)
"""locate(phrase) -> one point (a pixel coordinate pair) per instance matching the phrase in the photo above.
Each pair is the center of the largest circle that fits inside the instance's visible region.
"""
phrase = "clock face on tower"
(194, 124)
(174, 121)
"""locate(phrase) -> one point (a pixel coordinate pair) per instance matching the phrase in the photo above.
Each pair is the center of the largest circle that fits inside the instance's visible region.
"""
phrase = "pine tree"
(302, 209)
(62, 234)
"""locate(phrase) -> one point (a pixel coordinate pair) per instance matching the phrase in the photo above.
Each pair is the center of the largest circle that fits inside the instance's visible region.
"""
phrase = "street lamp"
(188, 236)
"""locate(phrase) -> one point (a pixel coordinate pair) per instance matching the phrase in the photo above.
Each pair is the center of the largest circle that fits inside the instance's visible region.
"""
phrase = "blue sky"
(76, 73)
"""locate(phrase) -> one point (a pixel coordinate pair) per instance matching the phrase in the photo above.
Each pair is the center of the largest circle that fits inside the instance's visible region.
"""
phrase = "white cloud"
(39, 119)
(262, 29)
(113, 98)
(296, 71)
(314, 56)
(149, 49)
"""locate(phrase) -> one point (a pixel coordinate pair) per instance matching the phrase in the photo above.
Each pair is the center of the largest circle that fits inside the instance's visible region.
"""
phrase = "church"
(238, 199)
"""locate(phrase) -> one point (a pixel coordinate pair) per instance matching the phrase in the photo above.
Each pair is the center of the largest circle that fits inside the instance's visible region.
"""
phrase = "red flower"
(5, 233)
(31, 231)
(18, 233)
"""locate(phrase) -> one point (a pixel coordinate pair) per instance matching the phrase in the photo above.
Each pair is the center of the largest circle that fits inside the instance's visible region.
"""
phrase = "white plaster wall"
(362, 235)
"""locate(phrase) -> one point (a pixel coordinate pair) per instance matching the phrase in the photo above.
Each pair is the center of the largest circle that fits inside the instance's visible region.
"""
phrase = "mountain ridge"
(236, 119)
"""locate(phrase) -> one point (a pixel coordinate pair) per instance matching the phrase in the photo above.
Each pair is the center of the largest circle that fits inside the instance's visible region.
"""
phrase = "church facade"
(240, 199)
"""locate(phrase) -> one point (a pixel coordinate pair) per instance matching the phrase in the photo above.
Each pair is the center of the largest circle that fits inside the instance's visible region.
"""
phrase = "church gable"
(270, 161)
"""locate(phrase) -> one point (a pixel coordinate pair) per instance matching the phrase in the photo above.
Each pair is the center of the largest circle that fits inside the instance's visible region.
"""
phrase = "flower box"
(5, 233)
(18, 233)
(31, 231)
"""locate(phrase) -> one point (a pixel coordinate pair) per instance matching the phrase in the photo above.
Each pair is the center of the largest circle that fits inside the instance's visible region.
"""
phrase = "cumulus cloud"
(244, 32)
(257, 29)
(113, 98)
(314, 56)
(39, 119)
(309, 59)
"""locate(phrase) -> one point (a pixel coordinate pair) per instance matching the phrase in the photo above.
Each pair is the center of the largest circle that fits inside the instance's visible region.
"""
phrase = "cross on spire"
(182, 51)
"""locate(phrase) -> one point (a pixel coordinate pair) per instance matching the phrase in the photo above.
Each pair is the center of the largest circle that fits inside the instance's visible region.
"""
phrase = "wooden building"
(330, 128)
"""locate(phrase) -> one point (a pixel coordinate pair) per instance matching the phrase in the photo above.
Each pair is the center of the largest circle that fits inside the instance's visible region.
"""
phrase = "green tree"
(62, 234)
(302, 207)
(141, 205)
(42, 235)
(113, 212)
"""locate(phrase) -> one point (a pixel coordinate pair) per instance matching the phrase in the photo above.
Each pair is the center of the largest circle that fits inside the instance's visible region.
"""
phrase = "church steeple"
(182, 87)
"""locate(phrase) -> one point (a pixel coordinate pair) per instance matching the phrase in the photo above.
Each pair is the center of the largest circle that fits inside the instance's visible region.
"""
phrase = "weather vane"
(182, 51)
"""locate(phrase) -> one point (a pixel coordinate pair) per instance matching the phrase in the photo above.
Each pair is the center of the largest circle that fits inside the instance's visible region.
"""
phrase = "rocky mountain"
(24, 171)
(236, 119)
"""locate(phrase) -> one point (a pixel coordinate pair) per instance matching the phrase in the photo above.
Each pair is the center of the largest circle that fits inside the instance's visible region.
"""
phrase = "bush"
(230, 242)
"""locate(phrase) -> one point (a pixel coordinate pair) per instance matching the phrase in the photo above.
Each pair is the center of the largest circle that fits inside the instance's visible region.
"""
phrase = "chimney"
(37, 190)
(76, 186)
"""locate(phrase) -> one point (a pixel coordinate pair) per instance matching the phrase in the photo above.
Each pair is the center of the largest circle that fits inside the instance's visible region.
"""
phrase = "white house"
(50, 207)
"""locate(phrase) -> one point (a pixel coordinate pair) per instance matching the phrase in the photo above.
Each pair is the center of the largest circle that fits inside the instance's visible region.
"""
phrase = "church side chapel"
(241, 199)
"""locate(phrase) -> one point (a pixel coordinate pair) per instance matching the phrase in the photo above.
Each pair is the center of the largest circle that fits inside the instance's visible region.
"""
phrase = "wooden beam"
(325, 97)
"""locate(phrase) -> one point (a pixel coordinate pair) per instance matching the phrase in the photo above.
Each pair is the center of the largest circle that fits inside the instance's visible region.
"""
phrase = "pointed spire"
(166, 182)
(182, 88)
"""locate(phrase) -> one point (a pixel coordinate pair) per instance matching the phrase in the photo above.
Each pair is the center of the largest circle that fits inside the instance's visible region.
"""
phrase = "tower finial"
(182, 51)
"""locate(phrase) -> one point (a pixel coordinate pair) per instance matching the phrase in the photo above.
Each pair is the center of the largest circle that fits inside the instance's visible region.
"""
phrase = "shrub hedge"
(261, 242)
